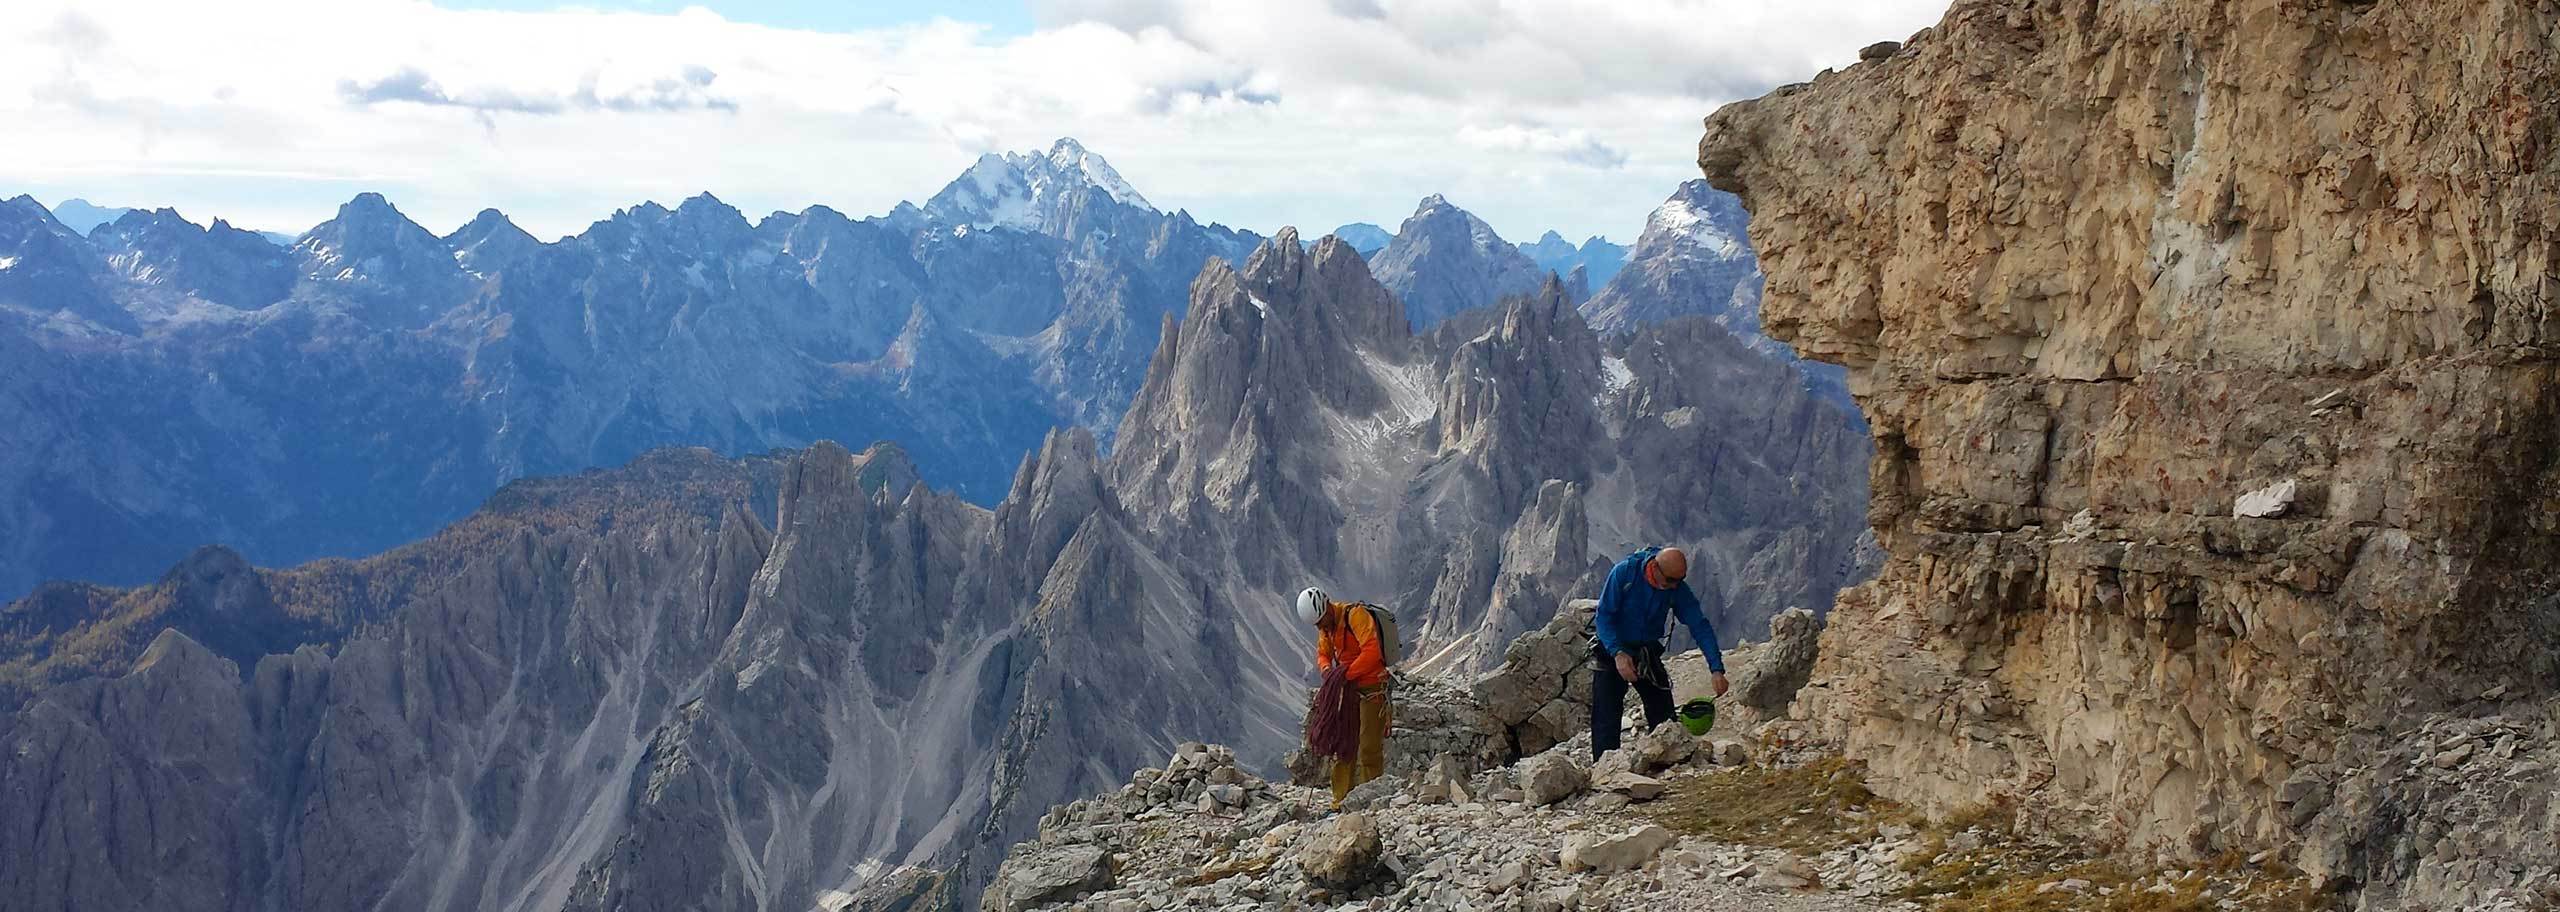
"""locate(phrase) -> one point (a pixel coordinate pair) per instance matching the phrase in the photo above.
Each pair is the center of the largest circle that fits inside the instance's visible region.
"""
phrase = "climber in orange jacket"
(1346, 633)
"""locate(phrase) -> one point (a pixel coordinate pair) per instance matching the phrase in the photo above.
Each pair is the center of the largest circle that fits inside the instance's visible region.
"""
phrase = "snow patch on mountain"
(1011, 190)
(1677, 218)
(1069, 154)
(1616, 375)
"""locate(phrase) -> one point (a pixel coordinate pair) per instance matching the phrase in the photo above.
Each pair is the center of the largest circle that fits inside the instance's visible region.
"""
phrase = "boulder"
(1664, 746)
(1049, 875)
(1616, 851)
(1550, 777)
(1343, 854)
(1779, 668)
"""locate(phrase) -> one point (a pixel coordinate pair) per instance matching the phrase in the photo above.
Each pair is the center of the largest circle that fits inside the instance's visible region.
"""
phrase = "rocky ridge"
(1596, 260)
(2207, 351)
(1197, 833)
(1452, 826)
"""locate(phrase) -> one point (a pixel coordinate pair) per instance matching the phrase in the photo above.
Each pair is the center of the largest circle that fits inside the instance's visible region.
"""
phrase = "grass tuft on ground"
(1811, 808)
(1973, 861)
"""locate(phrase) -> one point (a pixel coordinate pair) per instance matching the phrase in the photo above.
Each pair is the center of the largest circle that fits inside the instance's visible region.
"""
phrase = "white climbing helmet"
(1311, 605)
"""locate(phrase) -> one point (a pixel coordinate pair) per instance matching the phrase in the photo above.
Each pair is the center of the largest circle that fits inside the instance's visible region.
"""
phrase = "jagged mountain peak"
(489, 241)
(1068, 154)
(368, 224)
(24, 212)
(1018, 189)
(1068, 460)
(1437, 215)
(1279, 255)
(161, 219)
(1445, 260)
(1698, 216)
(1544, 314)
(1693, 257)
(488, 222)
(706, 206)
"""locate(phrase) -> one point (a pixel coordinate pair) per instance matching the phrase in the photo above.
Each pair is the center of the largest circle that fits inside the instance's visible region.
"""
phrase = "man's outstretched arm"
(1685, 604)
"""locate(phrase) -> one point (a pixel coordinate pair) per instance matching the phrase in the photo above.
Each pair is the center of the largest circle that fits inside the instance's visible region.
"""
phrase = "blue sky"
(1573, 115)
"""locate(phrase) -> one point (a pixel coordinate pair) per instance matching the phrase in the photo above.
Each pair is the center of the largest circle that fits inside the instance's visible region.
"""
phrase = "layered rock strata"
(2208, 348)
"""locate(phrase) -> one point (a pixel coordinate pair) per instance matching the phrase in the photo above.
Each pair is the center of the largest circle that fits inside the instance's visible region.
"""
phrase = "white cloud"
(1578, 116)
(1576, 146)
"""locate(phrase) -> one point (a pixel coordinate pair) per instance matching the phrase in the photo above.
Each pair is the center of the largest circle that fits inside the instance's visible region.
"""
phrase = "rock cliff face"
(2208, 351)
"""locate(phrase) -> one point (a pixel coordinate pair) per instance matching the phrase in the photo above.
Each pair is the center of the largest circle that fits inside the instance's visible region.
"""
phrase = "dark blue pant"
(1609, 699)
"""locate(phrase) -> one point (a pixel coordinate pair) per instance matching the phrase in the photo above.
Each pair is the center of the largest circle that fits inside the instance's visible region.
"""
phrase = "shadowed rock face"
(1444, 260)
(2110, 282)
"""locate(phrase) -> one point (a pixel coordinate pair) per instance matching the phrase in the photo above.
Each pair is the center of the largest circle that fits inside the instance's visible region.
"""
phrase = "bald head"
(1668, 569)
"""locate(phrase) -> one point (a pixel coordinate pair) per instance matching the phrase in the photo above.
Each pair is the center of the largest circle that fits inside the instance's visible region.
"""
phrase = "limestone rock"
(1344, 853)
(1052, 876)
(2267, 502)
(1616, 851)
(1550, 777)
(1635, 786)
(1779, 667)
(1659, 747)
(2091, 258)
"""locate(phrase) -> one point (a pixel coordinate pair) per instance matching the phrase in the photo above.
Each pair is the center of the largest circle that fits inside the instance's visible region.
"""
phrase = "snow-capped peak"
(1012, 190)
(1068, 154)
(1677, 219)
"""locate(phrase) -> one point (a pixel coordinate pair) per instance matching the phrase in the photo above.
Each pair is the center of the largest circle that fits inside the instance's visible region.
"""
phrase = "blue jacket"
(1631, 609)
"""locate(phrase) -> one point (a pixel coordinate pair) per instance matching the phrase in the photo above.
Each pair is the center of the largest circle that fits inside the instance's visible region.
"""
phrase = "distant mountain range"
(82, 217)
(696, 682)
(176, 385)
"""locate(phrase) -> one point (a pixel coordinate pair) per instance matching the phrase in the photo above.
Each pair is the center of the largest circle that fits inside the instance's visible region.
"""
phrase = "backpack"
(1390, 645)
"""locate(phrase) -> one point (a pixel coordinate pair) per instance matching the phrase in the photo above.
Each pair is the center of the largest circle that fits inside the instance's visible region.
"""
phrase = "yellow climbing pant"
(1373, 746)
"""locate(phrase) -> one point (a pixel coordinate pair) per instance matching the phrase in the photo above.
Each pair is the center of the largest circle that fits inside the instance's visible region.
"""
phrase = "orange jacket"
(1368, 664)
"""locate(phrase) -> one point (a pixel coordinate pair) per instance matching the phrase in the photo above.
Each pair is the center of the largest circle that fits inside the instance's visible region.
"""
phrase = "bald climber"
(1644, 591)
